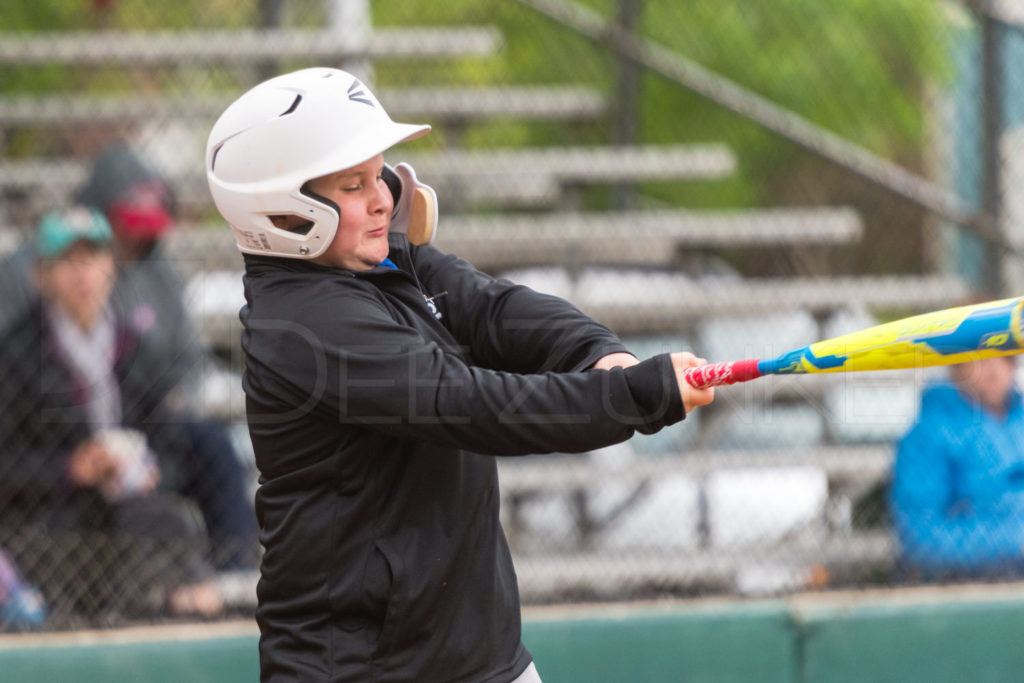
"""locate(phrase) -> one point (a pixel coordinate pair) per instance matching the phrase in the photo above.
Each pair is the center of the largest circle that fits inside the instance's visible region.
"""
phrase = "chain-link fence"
(735, 178)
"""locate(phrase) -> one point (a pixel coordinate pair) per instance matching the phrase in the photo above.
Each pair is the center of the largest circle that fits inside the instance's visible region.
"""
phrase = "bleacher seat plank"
(135, 48)
(438, 103)
(663, 311)
(530, 175)
(567, 472)
(578, 164)
(568, 102)
(44, 182)
(544, 575)
(650, 237)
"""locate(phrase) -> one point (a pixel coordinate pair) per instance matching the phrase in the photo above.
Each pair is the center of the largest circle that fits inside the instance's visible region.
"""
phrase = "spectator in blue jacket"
(958, 482)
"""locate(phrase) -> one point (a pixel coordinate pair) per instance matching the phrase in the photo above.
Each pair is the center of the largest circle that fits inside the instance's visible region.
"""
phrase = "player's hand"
(616, 360)
(692, 398)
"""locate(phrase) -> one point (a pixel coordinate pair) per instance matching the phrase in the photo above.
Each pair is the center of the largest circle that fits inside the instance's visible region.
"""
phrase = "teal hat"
(58, 230)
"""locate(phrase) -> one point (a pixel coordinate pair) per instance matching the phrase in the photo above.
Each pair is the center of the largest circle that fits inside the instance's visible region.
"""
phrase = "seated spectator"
(140, 207)
(79, 510)
(958, 483)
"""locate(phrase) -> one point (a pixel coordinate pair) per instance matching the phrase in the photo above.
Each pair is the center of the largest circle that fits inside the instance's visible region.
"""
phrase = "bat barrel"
(954, 335)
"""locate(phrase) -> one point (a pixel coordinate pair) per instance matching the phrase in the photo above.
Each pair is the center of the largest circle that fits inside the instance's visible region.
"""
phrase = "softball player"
(381, 377)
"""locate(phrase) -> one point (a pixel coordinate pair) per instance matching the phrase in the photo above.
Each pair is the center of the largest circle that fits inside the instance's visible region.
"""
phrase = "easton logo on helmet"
(357, 94)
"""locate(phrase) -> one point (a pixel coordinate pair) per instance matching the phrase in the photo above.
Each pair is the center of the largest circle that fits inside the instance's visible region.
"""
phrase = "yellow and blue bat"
(953, 335)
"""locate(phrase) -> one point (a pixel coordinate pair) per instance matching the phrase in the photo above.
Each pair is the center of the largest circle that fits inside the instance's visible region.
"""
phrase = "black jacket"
(374, 401)
(42, 420)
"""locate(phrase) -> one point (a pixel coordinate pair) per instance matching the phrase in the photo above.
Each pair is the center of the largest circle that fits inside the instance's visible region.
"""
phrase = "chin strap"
(415, 212)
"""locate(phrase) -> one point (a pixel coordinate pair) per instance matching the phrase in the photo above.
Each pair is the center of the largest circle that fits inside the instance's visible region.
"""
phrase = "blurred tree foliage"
(859, 68)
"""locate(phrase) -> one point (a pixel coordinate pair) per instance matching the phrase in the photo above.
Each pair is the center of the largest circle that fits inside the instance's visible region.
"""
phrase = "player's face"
(365, 204)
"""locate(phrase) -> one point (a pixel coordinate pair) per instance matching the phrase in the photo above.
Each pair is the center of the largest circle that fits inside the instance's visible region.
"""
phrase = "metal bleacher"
(536, 102)
(509, 176)
(581, 564)
(240, 46)
(553, 232)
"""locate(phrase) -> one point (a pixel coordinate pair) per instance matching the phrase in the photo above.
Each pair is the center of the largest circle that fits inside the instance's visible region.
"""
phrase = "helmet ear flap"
(415, 208)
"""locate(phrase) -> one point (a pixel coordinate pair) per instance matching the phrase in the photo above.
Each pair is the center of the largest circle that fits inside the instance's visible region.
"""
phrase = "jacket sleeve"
(367, 369)
(935, 534)
(508, 326)
(35, 439)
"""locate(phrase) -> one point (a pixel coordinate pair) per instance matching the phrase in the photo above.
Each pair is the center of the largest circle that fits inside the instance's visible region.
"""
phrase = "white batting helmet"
(282, 133)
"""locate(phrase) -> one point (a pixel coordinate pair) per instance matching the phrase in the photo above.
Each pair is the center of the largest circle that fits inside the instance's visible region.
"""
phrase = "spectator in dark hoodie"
(140, 206)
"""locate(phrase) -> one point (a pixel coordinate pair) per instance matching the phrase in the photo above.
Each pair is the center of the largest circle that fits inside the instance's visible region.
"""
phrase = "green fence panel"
(954, 637)
(750, 643)
(980, 642)
(215, 660)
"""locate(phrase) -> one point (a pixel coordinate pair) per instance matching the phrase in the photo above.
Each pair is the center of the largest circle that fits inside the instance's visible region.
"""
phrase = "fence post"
(625, 102)
(992, 75)
(353, 20)
(271, 16)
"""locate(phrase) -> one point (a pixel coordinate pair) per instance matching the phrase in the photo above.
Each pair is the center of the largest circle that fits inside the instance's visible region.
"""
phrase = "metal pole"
(354, 20)
(271, 17)
(627, 97)
(993, 269)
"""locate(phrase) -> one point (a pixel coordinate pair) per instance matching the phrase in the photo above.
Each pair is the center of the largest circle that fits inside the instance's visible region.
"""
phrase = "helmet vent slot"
(295, 105)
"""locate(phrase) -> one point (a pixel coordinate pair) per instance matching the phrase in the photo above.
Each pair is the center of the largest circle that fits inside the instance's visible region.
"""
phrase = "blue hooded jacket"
(958, 486)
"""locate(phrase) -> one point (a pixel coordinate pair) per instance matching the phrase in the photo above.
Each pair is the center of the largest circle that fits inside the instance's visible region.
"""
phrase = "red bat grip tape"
(717, 374)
